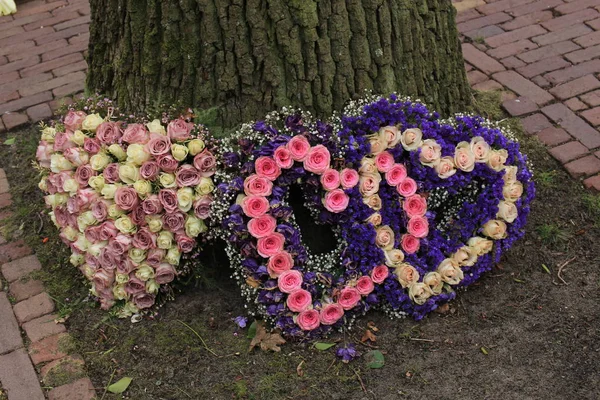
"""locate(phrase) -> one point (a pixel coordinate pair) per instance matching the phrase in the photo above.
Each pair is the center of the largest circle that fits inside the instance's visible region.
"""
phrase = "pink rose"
(179, 130)
(103, 279)
(336, 201)
(255, 206)
(299, 300)
(167, 163)
(308, 320)
(384, 161)
(168, 198)
(152, 205)
(108, 133)
(396, 174)
(111, 173)
(120, 244)
(206, 163)
(155, 257)
(144, 239)
(349, 298)
(106, 298)
(100, 210)
(418, 226)
(415, 206)
(107, 259)
(76, 156)
(270, 245)
(73, 120)
(92, 146)
(173, 222)
(256, 185)
(185, 244)
(138, 216)
(187, 175)
(136, 133)
(331, 313)
(149, 170)
(202, 206)
(317, 160)
(330, 179)
(83, 174)
(283, 157)
(143, 300)
(298, 147)
(364, 285)
(158, 145)
(165, 273)
(126, 198)
(410, 244)
(349, 178)
(107, 230)
(62, 141)
(279, 263)
(134, 285)
(267, 168)
(407, 187)
(92, 234)
(43, 153)
(289, 281)
(262, 226)
(380, 273)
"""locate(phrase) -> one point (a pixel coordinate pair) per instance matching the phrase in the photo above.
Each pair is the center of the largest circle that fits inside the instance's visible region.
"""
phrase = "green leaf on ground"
(120, 386)
(252, 330)
(10, 141)
(375, 359)
(546, 268)
(323, 346)
(484, 351)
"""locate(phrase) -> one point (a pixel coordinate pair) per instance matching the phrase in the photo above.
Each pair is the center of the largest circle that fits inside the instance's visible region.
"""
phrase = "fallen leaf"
(299, 369)
(368, 335)
(484, 351)
(375, 359)
(323, 346)
(120, 386)
(252, 330)
(10, 141)
(267, 341)
(372, 326)
(443, 309)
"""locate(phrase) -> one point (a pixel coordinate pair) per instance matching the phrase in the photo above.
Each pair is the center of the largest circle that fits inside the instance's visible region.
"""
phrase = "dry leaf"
(253, 283)
(299, 369)
(443, 309)
(369, 336)
(267, 341)
(372, 326)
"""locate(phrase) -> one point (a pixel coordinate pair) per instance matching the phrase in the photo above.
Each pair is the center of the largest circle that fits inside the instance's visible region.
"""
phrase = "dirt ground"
(521, 333)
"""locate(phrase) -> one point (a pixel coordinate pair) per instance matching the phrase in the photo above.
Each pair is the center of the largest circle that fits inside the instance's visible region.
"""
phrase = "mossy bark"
(248, 57)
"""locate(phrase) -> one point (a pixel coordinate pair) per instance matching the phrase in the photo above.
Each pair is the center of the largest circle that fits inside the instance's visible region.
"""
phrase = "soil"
(521, 332)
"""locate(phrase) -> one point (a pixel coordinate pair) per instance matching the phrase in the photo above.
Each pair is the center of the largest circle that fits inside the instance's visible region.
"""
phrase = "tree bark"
(244, 58)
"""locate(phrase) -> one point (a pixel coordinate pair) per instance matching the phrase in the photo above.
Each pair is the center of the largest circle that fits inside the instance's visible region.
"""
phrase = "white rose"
(156, 127)
(137, 255)
(117, 151)
(144, 272)
(154, 223)
(419, 293)
(185, 198)
(78, 138)
(196, 146)
(129, 173)
(136, 154)
(411, 139)
(179, 151)
(507, 211)
(450, 271)
(480, 245)
(495, 229)
(59, 163)
(206, 186)
(434, 281)
(167, 180)
(91, 122)
(125, 225)
(99, 161)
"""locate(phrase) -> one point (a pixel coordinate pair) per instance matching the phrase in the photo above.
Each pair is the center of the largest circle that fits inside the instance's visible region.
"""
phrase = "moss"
(64, 372)
(67, 344)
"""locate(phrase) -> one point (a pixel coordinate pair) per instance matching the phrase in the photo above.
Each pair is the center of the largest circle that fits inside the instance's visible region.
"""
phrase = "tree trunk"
(244, 58)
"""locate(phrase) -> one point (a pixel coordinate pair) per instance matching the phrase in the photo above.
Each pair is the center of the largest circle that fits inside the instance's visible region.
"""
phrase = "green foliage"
(551, 233)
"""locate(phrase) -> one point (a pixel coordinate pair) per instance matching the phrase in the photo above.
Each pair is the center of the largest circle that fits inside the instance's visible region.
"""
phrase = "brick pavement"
(546, 54)
(24, 305)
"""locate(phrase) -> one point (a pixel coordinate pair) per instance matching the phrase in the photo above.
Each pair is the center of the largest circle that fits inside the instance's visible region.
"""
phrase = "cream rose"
(512, 191)
(142, 187)
(507, 211)
(206, 186)
(78, 138)
(48, 134)
(114, 211)
(406, 274)
(117, 151)
(464, 159)
(144, 272)
(480, 148)
(99, 161)
(495, 229)
(373, 201)
(510, 173)
(377, 144)
(431, 153)
(129, 173)
(419, 293)
(91, 122)
(480, 245)
(384, 237)
(156, 127)
(125, 225)
(60, 163)
(154, 223)
(179, 151)
(465, 256)
(194, 226)
(173, 256)
(367, 167)
(96, 182)
(137, 255)
(394, 258)
(136, 154)
(434, 281)
(185, 198)
(374, 219)
(497, 159)
(390, 135)
(450, 271)
(196, 146)
(167, 180)
(164, 240)
(411, 139)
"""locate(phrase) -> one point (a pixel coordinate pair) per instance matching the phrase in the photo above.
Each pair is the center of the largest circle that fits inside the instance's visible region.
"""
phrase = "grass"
(552, 234)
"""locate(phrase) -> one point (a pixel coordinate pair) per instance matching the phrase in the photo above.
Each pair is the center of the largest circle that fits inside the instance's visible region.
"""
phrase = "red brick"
(570, 19)
(14, 119)
(68, 49)
(576, 6)
(10, 336)
(591, 99)
(5, 200)
(43, 327)
(568, 152)
(548, 51)
(28, 9)
(6, 97)
(39, 112)
(484, 32)
(588, 67)
(46, 349)
(18, 376)
(24, 289)
(475, 77)
(3, 60)
(595, 24)
(535, 123)
(50, 21)
(553, 136)
(562, 35)
(545, 65)
(16, 48)
(15, 30)
(9, 77)
(57, 103)
(4, 187)
(50, 65)
(593, 183)
(78, 66)
(573, 124)
(21, 267)
(25, 102)
(26, 36)
(73, 22)
(533, 7)
(82, 7)
(19, 64)
(33, 307)
(64, 34)
(519, 106)
(512, 62)
(588, 40)
(576, 87)
(512, 49)
(488, 86)
(19, 83)
(583, 55)
(83, 37)
(585, 166)
(483, 21)
(82, 389)
(467, 15)
(504, 5)
(592, 116)
(513, 36)
(51, 84)
(58, 44)
(72, 367)
(525, 20)
(480, 60)
(24, 20)
(71, 88)
(575, 104)
(523, 87)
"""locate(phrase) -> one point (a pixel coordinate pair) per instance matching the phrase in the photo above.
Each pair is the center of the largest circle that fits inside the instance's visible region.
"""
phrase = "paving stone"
(565, 34)
(578, 86)
(543, 66)
(476, 77)
(535, 123)
(47, 349)
(575, 104)
(39, 112)
(577, 127)
(18, 377)
(24, 289)
(480, 60)
(529, 19)
(20, 268)
(512, 62)
(515, 35)
(584, 54)
(74, 67)
(533, 7)
(69, 368)
(69, 89)
(50, 65)
(19, 64)
(14, 119)
(503, 5)
(4, 187)
(82, 389)
(594, 24)
(42, 327)
(52, 83)
(512, 48)
(467, 15)
(487, 86)
(585, 166)
(591, 99)
(25, 102)
(588, 40)
(485, 32)
(569, 151)
(593, 183)
(519, 106)
(576, 6)
(565, 21)
(553, 136)
(592, 116)
(523, 87)
(550, 50)
(10, 336)
(5, 200)
(483, 21)
(33, 307)
(576, 71)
